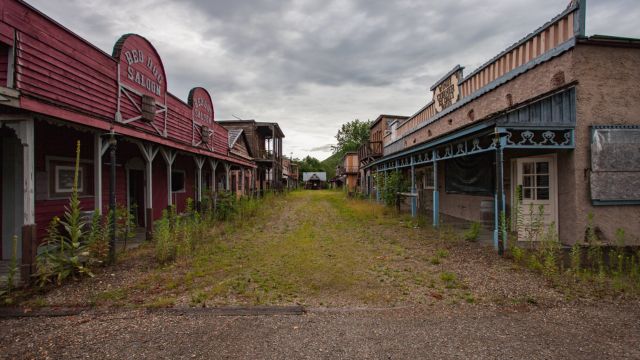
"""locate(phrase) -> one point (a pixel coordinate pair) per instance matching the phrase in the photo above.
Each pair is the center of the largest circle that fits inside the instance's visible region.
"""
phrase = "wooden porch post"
(99, 148)
(377, 181)
(214, 164)
(413, 190)
(436, 195)
(169, 157)
(199, 164)
(242, 179)
(227, 168)
(499, 237)
(149, 152)
(24, 130)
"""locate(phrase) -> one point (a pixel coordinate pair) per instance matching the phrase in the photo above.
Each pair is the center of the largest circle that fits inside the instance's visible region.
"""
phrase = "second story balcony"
(369, 151)
(264, 155)
(346, 170)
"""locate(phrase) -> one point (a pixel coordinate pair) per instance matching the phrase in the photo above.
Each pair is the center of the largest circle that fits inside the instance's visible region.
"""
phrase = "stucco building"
(546, 132)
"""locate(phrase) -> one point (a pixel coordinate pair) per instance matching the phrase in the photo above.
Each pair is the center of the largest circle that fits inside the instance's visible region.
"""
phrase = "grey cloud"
(312, 65)
(323, 148)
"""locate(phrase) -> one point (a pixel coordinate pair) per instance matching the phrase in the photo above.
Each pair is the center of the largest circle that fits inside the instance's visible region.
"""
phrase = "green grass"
(310, 247)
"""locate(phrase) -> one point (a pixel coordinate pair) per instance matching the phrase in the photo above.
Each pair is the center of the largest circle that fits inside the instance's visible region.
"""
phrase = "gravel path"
(605, 331)
(415, 293)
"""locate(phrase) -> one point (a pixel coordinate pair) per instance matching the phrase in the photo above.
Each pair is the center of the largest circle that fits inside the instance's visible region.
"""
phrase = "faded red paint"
(64, 76)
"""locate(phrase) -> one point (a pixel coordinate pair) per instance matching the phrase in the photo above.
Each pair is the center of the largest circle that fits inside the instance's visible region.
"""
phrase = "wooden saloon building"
(56, 89)
(548, 131)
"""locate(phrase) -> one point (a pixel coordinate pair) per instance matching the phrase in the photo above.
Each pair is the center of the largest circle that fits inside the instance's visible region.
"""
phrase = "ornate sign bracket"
(202, 115)
(141, 83)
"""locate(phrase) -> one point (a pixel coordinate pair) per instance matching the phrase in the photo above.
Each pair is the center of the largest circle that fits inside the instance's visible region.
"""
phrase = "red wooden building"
(56, 88)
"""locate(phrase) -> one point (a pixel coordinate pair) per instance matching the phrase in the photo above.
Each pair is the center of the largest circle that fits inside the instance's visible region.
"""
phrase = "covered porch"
(37, 157)
(508, 173)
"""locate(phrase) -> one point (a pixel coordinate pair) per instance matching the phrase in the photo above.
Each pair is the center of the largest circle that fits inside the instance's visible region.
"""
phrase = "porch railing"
(370, 150)
(346, 170)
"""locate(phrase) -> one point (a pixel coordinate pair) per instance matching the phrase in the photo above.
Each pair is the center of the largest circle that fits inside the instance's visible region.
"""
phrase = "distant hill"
(329, 164)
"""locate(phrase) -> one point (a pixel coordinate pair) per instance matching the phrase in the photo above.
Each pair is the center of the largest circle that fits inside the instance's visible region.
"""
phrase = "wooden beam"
(25, 132)
(227, 168)
(149, 152)
(169, 157)
(199, 164)
(97, 173)
(214, 164)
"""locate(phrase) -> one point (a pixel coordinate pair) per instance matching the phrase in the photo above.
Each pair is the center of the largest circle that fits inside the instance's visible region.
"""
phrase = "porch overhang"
(479, 139)
(546, 123)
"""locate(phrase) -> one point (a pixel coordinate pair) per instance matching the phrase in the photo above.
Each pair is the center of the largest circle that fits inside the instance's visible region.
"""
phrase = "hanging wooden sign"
(142, 84)
(202, 117)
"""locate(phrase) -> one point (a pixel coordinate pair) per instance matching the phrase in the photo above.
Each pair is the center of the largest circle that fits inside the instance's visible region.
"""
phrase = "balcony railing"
(370, 150)
(265, 154)
(346, 170)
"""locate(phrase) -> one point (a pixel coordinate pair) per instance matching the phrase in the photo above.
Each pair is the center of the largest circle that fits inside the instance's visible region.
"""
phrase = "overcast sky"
(312, 65)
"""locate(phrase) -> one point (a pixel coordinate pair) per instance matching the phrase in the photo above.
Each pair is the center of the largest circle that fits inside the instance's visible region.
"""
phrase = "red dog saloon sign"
(140, 66)
(202, 106)
(202, 115)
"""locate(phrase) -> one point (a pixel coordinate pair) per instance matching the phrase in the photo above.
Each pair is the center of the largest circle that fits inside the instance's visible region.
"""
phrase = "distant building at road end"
(314, 180)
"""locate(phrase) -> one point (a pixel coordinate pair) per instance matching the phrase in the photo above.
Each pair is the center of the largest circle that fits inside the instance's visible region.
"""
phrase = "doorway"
(11, 193)
(536, 182)
(136, 195)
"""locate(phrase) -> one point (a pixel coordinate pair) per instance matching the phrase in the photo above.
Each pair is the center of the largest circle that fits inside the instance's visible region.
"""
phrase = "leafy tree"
(310, 164)
(351, 135)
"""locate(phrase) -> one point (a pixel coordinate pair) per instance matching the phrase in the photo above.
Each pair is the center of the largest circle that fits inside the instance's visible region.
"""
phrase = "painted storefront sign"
(446, 92)
(203, 116)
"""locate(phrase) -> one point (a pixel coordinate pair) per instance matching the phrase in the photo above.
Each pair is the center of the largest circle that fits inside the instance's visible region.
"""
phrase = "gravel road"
(584, 331)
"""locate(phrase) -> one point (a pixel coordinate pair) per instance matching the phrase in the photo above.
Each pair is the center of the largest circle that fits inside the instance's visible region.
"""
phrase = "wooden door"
(536, 212)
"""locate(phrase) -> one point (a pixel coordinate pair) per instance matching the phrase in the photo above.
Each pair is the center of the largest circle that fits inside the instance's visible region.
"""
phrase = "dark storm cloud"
(313, 65)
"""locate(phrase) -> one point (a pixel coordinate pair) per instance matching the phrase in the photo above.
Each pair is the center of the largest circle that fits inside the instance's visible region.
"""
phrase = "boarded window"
(615, 165)
(472, 175)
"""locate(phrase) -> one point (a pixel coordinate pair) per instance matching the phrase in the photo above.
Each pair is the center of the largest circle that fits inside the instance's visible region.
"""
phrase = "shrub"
(449, 279)
(517, 253)
(575, 256)
(390, 185)
(13, 264)
(64, 253)
(165, 244)
(472, 233)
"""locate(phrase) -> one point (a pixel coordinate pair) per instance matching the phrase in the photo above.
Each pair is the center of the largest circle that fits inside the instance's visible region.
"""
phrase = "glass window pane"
(542, 167)
(543, 194)
(527, 180)
(527, 168)
(527, 193)
(542, 180)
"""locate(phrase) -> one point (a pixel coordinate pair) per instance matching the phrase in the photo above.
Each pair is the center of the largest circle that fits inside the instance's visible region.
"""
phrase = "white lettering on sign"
(152, 84)
(202, 110)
